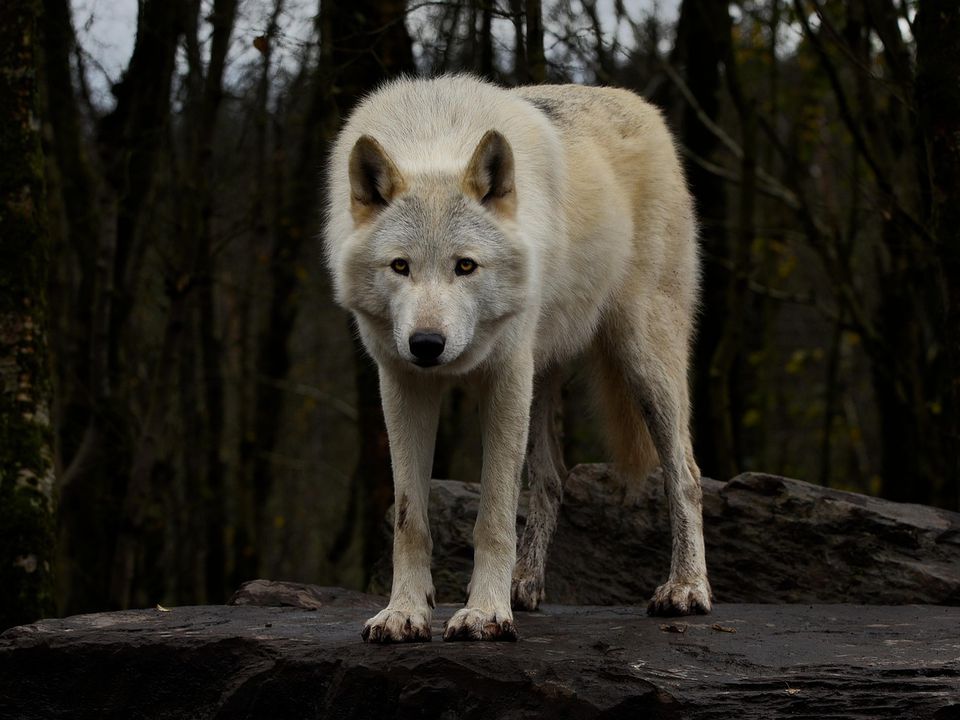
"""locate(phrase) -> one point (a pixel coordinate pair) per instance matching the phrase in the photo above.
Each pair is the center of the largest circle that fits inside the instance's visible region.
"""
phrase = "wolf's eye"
(465, 266)
(400, 266)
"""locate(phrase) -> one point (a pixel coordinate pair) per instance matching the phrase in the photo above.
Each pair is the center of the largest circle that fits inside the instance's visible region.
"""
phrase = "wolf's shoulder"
(576, 105)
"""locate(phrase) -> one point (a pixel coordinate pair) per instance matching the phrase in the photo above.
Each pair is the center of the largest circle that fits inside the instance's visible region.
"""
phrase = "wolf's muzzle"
(427, 347)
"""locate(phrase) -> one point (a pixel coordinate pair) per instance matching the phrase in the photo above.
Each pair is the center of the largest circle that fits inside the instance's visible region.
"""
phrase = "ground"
(247, 661)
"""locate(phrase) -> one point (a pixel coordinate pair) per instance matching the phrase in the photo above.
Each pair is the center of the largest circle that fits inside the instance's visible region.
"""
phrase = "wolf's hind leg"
(545, 473)
(652, 348)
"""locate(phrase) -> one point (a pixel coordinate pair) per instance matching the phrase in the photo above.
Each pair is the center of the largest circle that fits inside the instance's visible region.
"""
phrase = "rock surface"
(272, 593)
(743, 661)
(768, 539)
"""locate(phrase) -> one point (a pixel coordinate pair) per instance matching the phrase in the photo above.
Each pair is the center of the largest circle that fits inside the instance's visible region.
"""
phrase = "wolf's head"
(434, 267)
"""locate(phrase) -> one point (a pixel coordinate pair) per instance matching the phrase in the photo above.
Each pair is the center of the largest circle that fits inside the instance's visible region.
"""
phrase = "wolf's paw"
(395, 624)
(526, 592)
(681, 598)
(476, 624)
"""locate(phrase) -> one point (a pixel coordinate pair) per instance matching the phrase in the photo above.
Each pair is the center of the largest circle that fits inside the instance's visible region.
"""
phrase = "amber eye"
(465, 266)
(400, 266)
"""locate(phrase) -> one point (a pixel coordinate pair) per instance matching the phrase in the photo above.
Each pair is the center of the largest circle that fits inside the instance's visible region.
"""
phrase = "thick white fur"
(600, 256)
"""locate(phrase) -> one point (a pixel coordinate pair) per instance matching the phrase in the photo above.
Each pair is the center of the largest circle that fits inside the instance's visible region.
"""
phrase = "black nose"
(426, 347)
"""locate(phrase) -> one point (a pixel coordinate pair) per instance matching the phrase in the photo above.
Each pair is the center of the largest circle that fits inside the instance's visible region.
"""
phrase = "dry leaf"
(722, 628)
(161, 608)
(674, 628)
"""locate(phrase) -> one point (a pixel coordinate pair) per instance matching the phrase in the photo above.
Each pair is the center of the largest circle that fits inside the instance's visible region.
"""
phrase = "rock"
(743, 661)
(272, 593)
(768, 539)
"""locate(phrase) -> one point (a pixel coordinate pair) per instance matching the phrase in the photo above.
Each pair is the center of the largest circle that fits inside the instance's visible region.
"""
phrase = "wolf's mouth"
(426, 362)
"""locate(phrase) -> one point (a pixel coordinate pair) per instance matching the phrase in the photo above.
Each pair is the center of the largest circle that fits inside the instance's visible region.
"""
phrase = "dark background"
(213, 417)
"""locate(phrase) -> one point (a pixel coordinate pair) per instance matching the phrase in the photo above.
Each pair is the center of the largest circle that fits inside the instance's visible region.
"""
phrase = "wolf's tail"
(626, 432)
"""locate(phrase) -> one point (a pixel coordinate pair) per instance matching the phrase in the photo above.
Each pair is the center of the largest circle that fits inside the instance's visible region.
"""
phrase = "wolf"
(486, 236)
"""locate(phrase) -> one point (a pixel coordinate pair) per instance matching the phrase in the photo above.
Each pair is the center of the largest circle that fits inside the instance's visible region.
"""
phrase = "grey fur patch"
(402, 512)
(548, 107)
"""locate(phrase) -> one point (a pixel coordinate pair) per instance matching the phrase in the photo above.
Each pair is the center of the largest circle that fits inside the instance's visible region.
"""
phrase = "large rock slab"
(743, 661)
(768, 539)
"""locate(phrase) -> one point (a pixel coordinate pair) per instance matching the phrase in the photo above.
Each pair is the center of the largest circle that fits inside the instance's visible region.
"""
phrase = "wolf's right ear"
(490, 175)
(374, 179)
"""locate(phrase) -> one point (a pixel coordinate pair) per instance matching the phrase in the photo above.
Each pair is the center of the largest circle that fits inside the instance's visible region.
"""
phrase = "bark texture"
(938, 103)
(26, 458)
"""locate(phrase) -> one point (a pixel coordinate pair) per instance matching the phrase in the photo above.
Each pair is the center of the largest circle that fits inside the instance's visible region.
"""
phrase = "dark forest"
(185, 408)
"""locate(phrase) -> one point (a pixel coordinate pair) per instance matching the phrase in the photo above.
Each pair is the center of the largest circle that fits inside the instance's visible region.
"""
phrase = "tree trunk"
(486, 38)
(937, 93)
(703, 41)
(132, 137)
(267, 172)
(87, 511)
(202, 207)
(536, 62)
(26, 456)
(296, 225)
(364, 63)
(520, 74)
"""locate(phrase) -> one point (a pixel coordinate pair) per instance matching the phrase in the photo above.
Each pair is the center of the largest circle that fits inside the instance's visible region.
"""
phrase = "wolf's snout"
(427, 347)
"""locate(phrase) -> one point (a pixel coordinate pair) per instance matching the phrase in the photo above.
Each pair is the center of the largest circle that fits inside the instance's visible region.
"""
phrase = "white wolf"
(484, 236)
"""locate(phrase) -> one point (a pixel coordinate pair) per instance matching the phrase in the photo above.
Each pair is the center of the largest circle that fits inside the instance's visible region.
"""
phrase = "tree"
(702, 47)
(26, 457)
(906, 335)
(368, 42)
(937, 93)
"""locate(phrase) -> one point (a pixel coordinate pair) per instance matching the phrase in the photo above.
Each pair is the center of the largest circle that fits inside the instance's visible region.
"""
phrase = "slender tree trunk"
(486, 38)
(296, 225)
(26, 450)
(357, 60)
(536, 62)
(520, 74)
(937, 29)
(77, 186)
(85, 510)
(139, 123)
(262, 207)
(703, 41)
(222, 18)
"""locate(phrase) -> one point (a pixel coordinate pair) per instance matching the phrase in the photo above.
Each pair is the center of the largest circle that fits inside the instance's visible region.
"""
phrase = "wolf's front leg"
(505, 417)
(411, 406)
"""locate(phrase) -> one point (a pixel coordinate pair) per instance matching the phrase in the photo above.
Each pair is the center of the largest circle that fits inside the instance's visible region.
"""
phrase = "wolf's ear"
(489, 176)
(374, 179)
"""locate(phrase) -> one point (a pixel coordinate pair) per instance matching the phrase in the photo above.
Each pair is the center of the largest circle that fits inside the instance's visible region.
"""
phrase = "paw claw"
(397, 625)
(526, 593)
(475, 624)
(680, 598)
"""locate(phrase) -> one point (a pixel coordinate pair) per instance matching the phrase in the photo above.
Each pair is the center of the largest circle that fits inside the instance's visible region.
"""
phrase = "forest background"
(211, 417)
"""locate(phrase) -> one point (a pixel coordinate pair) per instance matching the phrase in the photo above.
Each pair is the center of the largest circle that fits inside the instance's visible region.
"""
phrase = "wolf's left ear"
(490, 175)
(374, 179)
